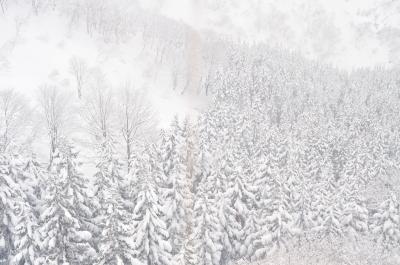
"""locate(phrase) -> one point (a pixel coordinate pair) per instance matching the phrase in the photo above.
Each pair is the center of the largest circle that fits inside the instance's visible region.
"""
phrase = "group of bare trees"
(15, 118)
(79, 70)
(53, 107)
(136, 119)
(122, 114)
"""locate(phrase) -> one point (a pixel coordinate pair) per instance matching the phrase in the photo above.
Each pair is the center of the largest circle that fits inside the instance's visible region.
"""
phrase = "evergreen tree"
(17, 220)
(116, 246)
(114, 202)
(251, 229)
(355, 217)
(238, 202)
(386, 223)
(207, 229)
(107, 181)
(150, 237)
(331, 226)
(25, 224)
(278, 224)
(180, 188)
(63, 238)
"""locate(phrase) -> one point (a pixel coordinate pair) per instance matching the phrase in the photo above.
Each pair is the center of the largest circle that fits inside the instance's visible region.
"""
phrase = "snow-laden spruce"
(65, 212)
(150, 238)
(18, 240)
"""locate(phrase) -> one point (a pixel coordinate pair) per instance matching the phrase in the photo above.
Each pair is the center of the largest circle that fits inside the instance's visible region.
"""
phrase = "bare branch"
(14, 118)
(136, 117)
(3, 5)
(98, 110)
(79, 70)
(53, 104)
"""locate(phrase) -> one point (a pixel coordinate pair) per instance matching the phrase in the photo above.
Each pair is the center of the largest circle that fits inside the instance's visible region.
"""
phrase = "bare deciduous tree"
(3, 5)
(78, 69)
(98, 110)
(14, 117)
(36, 5)
(137, 118)
(94, 11)
(53, 105)
(53, 4)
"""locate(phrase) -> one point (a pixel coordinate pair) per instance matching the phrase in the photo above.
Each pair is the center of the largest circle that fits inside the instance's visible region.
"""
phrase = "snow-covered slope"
(345, 33)
(36, 50)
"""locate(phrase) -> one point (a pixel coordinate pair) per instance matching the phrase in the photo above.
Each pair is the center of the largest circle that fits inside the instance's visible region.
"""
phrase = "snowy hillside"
(168, 132)
(38, 49)
(345, 33)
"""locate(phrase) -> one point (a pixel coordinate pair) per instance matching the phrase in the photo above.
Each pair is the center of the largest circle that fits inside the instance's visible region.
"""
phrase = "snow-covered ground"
(36, 50)
(346, 33)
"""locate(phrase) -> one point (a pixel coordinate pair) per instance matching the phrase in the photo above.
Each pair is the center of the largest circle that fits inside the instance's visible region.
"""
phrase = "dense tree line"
(209, 193)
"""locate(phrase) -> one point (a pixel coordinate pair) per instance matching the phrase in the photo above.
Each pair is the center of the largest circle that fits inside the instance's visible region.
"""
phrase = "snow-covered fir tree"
(386, 222)
(115, 244)
(64, 239)
(239, 200)
(18, 241)
(107, 181)
(177, 157)
(150, 238)
(207, 229)
(355, 217)
(25, 236)
(278, 224)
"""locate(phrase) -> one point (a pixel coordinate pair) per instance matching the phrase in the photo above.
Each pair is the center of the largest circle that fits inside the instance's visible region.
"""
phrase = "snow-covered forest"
(130, 137)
